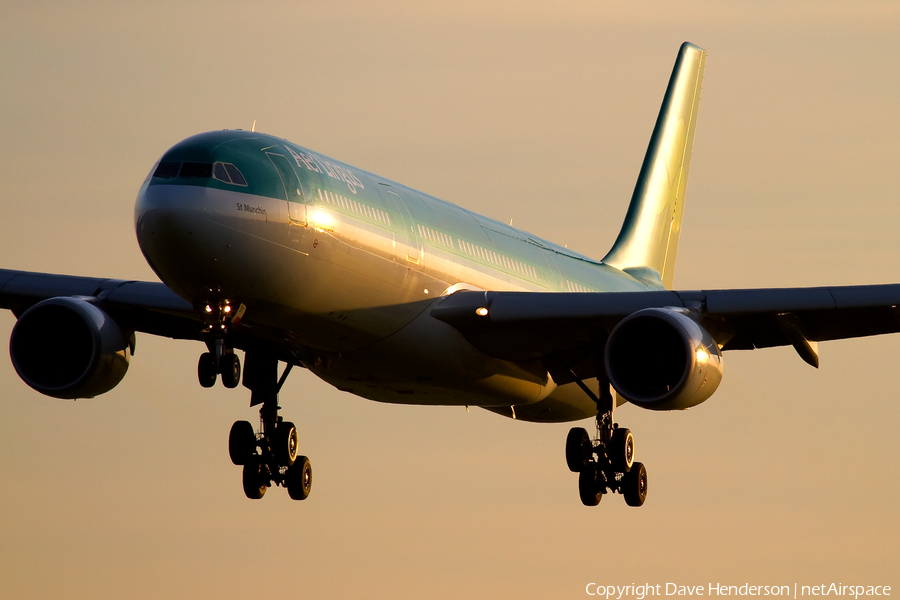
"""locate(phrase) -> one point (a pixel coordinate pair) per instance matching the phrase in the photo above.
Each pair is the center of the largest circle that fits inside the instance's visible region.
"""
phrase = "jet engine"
(68, 348)
(660, 359)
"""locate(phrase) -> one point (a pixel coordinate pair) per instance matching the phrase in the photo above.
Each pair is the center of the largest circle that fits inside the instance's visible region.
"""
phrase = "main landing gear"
(605, 464)
(269, 456)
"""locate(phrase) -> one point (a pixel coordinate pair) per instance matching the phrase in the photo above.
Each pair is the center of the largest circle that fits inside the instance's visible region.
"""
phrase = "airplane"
(385, 292)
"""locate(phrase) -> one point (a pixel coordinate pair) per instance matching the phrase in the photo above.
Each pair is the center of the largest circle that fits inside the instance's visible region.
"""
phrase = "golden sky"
(535, 111)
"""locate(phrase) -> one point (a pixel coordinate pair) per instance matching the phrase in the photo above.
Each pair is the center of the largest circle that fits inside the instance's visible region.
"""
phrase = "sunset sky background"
(535, 111)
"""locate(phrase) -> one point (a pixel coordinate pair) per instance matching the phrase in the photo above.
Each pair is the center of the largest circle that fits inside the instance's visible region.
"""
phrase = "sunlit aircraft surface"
(385, 292)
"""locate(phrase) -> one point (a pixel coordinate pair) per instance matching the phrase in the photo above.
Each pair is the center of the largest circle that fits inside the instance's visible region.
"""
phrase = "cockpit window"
(236, 177)
(167, 170)
(225, 172)
(228, 173)
(195, 169)
(220, 173)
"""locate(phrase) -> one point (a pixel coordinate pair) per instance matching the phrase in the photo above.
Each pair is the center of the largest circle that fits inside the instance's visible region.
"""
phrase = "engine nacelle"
(68, 348)
(661, 359)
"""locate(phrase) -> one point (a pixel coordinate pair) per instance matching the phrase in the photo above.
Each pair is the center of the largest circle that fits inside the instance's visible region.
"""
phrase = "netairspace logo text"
(641, 592)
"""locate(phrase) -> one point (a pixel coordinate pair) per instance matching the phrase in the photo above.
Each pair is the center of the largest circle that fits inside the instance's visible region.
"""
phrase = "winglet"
(649, 236)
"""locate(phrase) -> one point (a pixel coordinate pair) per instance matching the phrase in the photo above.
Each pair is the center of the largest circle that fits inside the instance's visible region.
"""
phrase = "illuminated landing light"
(702, 356)
(482, 312)
(323, 221)
(426, 290)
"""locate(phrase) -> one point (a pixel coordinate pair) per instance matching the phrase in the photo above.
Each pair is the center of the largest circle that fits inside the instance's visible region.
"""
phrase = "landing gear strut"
(269, 456)
(605, 463)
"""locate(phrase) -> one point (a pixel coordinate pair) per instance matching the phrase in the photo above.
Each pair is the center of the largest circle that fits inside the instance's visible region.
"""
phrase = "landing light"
(482, 312)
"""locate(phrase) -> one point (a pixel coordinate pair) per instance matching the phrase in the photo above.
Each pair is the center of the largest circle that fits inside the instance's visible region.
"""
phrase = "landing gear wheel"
(299, 479)
(286, 443)
(241, 443)
(206, 370)
(578, 449)
(588, 487)
(622, 450)
(230, 366)
(255, 482)
(634, 485)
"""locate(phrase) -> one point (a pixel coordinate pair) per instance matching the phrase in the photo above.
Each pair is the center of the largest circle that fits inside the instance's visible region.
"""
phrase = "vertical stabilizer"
(649, 236)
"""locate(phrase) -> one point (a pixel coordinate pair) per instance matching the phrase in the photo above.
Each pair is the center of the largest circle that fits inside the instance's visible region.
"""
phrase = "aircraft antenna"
(253, 127)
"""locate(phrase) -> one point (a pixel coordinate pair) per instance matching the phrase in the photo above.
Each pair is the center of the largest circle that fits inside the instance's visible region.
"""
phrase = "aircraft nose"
(214, 214)
(199, 232)
(175, 233)
(185, 212)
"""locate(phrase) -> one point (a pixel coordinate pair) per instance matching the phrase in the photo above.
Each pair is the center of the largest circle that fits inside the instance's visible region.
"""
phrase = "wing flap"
(728, 302)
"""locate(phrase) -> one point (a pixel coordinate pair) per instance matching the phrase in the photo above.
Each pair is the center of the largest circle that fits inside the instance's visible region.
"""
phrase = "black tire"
(621, 451)
(241, 442)
(299, 479)
(230, 367)
(579, 449)
(206, 370)
(588, 487)
(634, 485)
(285, 444)
(255, 482)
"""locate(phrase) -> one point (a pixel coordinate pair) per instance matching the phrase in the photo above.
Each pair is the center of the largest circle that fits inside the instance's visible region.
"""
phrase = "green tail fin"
(649, 237)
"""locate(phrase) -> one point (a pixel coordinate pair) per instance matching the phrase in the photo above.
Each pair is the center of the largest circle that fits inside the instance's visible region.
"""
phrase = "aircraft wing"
(563, 327)
(560, 328)
(136, 305)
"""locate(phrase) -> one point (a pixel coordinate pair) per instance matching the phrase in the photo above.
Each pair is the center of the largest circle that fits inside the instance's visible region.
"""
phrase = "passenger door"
(293, 188)
(412, 239)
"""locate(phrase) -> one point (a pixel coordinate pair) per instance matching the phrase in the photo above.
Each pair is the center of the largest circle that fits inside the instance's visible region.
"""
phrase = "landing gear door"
(293, 189)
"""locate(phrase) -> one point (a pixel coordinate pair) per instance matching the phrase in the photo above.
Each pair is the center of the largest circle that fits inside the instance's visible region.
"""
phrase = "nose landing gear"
(220, 360)
(227, 364)
(606, 463)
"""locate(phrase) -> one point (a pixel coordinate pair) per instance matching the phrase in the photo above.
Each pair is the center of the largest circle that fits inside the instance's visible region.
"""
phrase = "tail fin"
(649, 236)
